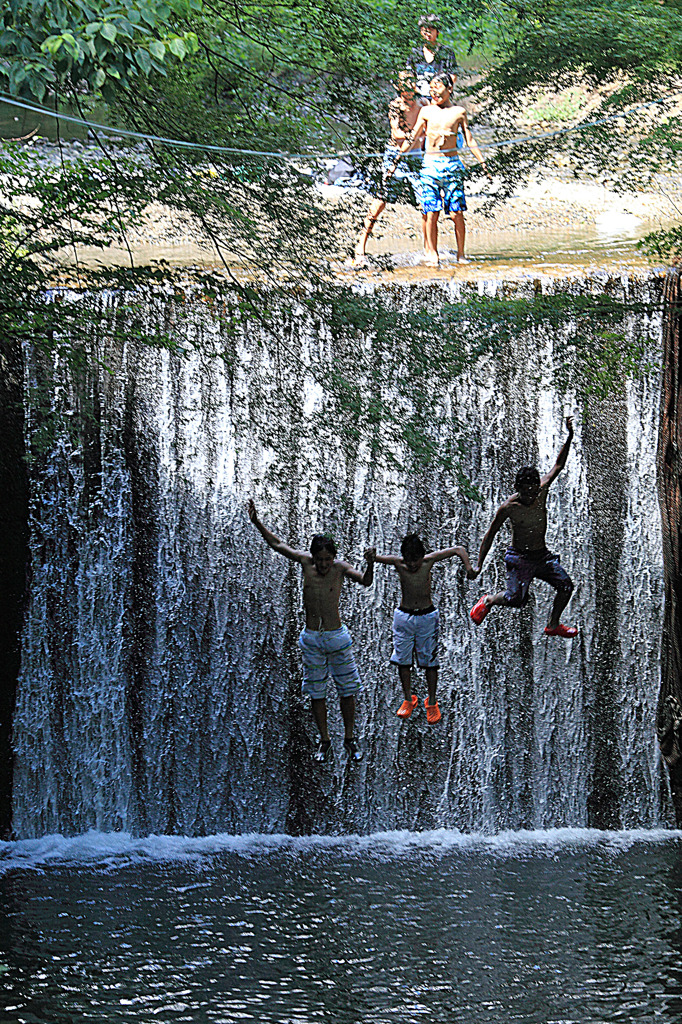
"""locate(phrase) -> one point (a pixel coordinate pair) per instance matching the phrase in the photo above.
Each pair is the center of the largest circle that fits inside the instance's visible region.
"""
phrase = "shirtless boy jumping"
(325, 642)
(415, 621)
(442, 170)
(528, 556)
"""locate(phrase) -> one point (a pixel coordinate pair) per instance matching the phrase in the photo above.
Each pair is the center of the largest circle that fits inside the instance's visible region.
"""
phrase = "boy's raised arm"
(456, 552)
(273, 541)
(365, 578)
(561, 457)
(498, 520)
(387, 559)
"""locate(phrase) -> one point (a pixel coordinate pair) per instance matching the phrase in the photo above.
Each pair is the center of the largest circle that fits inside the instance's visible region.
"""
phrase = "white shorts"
(325, 652)
(415, 635)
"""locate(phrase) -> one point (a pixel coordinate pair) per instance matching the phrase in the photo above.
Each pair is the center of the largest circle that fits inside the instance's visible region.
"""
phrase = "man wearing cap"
(431, 59)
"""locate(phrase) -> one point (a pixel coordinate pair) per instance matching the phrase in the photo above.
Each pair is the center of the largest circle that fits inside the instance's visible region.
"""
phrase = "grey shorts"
(328, 652)
(415, 638)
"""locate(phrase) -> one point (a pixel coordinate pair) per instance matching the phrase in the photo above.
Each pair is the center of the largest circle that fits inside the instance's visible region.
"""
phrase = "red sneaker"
(479, 611)
(568, 632)
(407, 707)
(432, 712)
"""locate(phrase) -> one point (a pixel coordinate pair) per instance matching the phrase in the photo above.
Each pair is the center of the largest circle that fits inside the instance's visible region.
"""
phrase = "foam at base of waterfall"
(115, 850)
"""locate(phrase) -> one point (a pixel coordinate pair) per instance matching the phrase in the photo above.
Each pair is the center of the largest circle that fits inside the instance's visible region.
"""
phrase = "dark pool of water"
(576, 928)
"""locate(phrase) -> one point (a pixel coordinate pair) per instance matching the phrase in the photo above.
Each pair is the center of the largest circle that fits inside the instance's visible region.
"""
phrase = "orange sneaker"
(407, 707)
(568, 632)
(479, 611)
(432, 712)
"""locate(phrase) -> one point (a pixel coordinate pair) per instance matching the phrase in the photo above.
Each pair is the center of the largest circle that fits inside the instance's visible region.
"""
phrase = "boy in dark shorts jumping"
(415, 621)
(325, 642)
(528, 557)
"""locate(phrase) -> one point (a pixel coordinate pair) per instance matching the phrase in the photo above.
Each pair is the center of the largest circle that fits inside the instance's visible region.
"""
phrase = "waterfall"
(160, 680)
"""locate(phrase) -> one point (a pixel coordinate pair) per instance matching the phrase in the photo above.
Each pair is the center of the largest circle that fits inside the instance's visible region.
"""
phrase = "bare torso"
(442, 126)
(403, 117)
(528, 523)
(321, 595)
(415, 586)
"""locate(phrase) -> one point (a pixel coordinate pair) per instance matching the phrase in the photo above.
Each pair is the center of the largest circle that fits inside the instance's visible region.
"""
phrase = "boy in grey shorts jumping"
(415, 621)
(326, 643)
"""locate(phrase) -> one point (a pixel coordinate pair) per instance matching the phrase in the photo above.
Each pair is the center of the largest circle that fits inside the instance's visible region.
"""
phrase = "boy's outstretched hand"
(370, 555)
(251, 509)
(569, 424)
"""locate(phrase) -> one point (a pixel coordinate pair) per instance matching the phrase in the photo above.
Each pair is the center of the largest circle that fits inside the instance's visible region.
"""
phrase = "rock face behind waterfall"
(160, 681)
(669, 716)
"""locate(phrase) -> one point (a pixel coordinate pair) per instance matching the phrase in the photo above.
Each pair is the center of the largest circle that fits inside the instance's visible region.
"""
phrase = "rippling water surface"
(537, 927)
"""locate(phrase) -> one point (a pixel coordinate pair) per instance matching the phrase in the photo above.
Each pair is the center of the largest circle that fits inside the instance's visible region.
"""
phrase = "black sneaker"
(323, 750)
(352, 749)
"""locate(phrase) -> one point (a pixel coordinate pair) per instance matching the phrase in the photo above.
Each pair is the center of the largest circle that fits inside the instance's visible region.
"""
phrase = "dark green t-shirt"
(444, 59)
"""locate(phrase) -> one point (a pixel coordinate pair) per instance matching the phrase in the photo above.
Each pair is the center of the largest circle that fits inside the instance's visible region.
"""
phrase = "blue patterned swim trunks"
(442, 183)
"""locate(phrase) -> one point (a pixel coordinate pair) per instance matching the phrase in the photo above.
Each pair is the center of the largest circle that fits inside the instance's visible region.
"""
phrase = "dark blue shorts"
(521, 570)
(403, 185)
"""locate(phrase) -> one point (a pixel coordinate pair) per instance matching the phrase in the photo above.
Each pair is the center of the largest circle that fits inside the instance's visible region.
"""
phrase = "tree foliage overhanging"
(306, 77)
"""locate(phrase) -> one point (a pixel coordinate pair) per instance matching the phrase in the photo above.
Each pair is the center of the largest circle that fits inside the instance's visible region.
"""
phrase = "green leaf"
(38, 88)
(177, 47)
(73, 48)
(191, 42)
(100, 78)
(108, 31)
(157, 49)
(52, 44)
(125, 28)
(143, 60)
(8, 38)
(148, 15)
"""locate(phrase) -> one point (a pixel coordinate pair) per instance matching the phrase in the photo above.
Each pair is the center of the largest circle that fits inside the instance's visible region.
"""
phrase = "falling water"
(160, 682)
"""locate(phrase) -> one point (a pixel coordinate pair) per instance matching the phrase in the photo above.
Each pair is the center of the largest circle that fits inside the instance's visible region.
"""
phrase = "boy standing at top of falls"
(415, 621)
(402, 115)
(325, 642)
(442, 174)
(528, 557)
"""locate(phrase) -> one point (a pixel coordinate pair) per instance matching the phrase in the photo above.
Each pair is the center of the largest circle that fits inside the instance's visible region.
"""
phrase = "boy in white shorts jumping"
(326, 643)
(415, 621)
